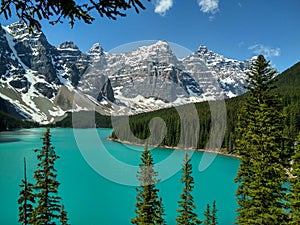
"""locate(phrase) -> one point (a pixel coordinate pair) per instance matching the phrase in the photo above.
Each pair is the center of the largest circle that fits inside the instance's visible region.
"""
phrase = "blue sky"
(237, 29)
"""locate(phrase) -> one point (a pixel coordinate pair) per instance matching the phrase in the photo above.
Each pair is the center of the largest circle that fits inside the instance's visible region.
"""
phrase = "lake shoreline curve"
(220, 152)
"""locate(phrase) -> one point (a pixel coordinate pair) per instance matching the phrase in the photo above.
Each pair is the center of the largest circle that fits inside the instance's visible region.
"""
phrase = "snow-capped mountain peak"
(42, 81)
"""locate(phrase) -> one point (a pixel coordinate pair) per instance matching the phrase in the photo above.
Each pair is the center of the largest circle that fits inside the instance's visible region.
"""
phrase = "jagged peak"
(203, 49)
(162, 42)
(159, 46)
(68, 45)
(20, 29)
(96, 49)
(18, 25)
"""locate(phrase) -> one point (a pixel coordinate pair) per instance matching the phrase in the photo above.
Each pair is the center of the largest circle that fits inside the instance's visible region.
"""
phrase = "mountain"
(182, 125)
(43, 82)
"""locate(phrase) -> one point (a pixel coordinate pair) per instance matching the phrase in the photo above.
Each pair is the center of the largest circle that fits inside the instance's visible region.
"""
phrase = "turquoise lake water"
(97, 179)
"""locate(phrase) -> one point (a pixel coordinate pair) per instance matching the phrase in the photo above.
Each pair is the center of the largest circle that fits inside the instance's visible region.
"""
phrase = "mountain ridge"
(144, 79)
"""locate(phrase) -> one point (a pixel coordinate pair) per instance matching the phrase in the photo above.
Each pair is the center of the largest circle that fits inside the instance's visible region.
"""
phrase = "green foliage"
(207, 216)
(294, 196)
(82, 120)
(287, 89)
(9, 122)
(186, 214)
(181, 130)
(149, 208)
(214, 219)
(32, 11)
(63, 216)
(26, 199)
(260, 143)
(210, 216)
(48, 206)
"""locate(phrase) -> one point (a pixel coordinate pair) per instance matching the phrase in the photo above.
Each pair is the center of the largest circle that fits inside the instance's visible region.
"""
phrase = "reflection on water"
(4, 139)
(17, 135)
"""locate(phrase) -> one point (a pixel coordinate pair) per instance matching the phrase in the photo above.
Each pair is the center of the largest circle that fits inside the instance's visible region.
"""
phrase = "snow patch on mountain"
(44, 82)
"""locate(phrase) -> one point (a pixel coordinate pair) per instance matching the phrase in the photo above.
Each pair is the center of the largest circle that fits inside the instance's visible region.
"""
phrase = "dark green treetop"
(186, 206)
(26, 199)
(47, 211)
(261, 196)
(63, 216)
(148, 207)
(207, 216)
(214, 219)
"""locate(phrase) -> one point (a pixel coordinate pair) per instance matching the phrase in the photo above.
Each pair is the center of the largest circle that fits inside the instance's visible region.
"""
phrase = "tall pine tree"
(295, 186)
(26, 199)
(47, 211)
(149, 208)
(261, 196)
(186, 214)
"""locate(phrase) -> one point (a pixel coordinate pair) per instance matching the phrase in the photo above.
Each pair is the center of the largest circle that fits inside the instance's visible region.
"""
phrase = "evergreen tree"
(26, 199)
(149, 208)
(47, 211)
(186, 215)
(295, 187)
(210, 217)
(207, 216)
(214, 220)
(63, 216)
(261, 196)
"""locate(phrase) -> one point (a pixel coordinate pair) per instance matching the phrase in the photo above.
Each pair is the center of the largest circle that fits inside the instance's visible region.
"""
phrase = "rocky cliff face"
(33, 73)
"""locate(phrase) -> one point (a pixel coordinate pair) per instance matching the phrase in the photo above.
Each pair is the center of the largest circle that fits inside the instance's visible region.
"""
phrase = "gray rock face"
(106, 92)
(229, 73)
(34, 51)
(45, 89)
(69, 52)
(146, 78)
(20, 82)
(9, 64)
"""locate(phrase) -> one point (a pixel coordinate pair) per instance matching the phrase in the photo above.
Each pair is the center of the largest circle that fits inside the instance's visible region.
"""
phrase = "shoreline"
(220, 152)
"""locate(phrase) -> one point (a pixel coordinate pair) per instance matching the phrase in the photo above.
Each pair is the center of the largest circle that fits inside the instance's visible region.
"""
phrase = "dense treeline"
(84, 119)
(8, 122)
(181, 126)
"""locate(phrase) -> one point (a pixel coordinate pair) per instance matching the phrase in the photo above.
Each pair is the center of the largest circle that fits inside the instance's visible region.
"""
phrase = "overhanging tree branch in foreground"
(33, 11)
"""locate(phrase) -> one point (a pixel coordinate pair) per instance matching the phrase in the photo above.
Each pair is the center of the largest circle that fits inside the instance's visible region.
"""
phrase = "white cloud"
(162, 6)
(265, 50)
(209, 6)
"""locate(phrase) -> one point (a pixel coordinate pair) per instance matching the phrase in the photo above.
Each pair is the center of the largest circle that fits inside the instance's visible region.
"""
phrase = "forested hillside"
(83, 120)
(287, 87)
(8, 122)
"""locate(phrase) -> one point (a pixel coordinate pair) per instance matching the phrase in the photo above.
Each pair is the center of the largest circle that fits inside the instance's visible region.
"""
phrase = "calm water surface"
(91, 199)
